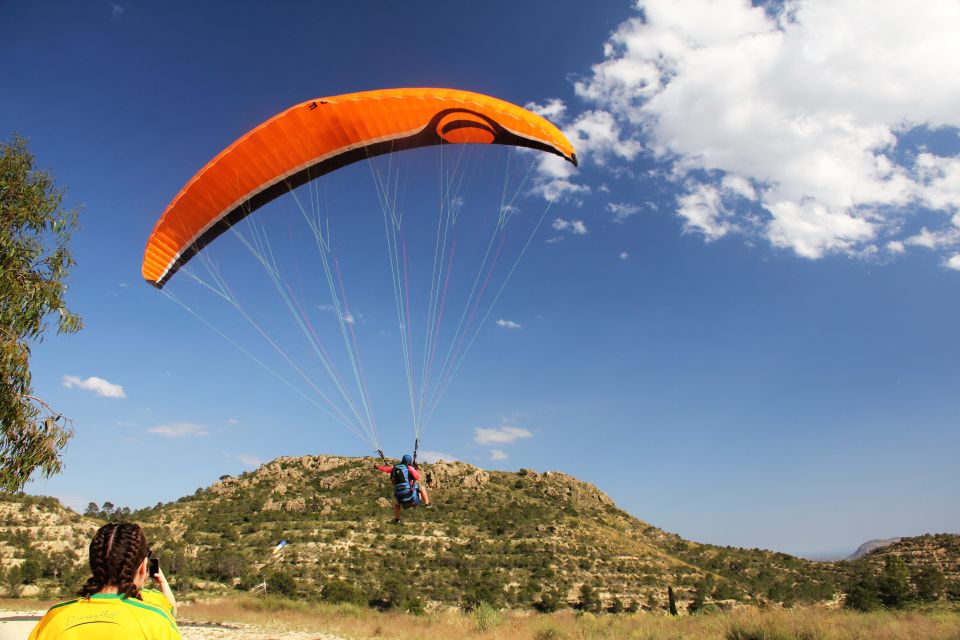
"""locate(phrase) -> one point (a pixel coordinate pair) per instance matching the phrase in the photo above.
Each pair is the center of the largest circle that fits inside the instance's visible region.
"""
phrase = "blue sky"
(738, 318)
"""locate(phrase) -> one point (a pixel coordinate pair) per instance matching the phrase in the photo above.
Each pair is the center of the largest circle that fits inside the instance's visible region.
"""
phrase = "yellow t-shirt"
(105, 616)
(157, 599)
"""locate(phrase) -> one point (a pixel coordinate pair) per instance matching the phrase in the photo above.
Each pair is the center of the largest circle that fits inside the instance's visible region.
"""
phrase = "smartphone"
(154, 566)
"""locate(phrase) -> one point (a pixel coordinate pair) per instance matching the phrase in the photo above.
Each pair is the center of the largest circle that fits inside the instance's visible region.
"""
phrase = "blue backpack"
(402, 487)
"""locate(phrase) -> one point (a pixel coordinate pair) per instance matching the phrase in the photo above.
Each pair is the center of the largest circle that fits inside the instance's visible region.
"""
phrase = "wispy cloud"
(508, 324)
(179, 430)
(496, 454)
(624, 255)
(500, 435)
(248, 460)
(99, 386)
(347, 317)
(623, 210)
(576, 227)
(117, 11)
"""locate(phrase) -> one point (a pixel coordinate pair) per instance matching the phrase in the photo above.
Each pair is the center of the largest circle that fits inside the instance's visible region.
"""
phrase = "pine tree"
(894, 583)
(863, 592)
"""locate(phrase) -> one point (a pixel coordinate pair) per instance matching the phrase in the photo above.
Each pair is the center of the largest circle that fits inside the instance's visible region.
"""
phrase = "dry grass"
(25, 604)
(747, 624)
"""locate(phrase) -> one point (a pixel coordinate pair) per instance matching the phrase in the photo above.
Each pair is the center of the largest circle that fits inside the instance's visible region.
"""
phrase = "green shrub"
(486, 616)
(590, 599)
(340, 591)
(282, 583)
(929, 582)
(616, 606)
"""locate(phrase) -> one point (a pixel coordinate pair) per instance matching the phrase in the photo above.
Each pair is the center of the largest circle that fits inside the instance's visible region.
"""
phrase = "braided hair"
(116, 551)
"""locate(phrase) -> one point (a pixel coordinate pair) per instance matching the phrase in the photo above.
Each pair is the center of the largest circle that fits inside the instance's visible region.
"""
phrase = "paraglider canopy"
(319, 136)
(469, 259)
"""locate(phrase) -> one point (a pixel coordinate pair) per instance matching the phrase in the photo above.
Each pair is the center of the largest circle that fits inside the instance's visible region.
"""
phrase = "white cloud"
(233, 421)
(812, 229)
(623, 210)
(508, 324)
(953, 262)
(576, 227)
(97, 385)
(940, 179)
(553, 111)
(179, 430)
(432, 457)
(500, 435)
(896, 247)
(797, 112)
(598, 139)
(554, 179)
(739, 185)
(934, 239)
(496, 454)
(597, 136)
(704, 212)
(624, 255)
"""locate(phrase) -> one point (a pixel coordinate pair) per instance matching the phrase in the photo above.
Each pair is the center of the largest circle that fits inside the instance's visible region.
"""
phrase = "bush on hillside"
(282, 583)
(340, 592)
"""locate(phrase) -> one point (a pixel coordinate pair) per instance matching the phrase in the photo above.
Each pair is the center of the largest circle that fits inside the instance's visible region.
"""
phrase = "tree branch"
(46, 406)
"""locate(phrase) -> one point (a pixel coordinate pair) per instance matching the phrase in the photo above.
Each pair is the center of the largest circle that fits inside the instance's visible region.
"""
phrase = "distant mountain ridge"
(870, 545)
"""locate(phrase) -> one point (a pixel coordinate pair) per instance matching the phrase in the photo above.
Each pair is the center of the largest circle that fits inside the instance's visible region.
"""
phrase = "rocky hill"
(939, 551)
(520, 539)
(42, 545)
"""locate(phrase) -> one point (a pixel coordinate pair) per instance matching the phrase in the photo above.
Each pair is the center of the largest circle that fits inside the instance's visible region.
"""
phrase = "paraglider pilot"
(406, 486)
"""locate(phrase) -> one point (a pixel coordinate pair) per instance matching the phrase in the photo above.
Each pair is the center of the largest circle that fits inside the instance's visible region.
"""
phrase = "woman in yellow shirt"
(113, 604)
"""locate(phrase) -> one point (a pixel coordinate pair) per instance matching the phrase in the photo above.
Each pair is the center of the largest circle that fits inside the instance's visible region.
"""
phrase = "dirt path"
(17, 625)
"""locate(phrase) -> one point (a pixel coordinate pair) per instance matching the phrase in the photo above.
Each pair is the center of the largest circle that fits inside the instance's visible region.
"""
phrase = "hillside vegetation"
(519, 539)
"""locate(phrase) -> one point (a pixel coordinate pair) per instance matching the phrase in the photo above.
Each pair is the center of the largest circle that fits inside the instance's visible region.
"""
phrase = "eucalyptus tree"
(35, 262)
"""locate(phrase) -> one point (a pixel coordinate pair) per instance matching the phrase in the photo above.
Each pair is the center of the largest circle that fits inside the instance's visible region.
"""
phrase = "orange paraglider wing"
(319, 136)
